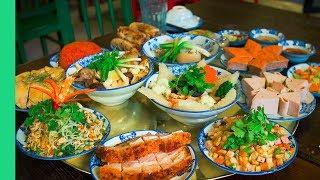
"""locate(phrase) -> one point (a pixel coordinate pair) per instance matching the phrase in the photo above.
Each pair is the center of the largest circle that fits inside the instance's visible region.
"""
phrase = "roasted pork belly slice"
(181, 161)
(110, 171)
(152, 142)
(164, 160)
(174, 141)
(110, 154)
(131, 170)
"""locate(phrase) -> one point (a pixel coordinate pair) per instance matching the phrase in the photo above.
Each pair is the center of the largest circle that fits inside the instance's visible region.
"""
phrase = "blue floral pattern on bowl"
(203, 135)
(302, 66)
(235, 32)
(254, 33)
(150, 47)
(306, 110)
(297, 44)
(21, 137)
(224, 62)
(95, 162)
(54, 59)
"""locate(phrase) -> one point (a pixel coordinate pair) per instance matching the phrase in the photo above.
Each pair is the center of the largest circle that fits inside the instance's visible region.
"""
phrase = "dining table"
(217, 15)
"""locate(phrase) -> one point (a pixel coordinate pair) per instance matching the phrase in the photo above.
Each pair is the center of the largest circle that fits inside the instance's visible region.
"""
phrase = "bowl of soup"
(266, 36)
(297, 51)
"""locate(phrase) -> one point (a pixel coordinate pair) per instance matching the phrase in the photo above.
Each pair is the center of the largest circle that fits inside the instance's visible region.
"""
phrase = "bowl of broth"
(297, 51)
(266, 36)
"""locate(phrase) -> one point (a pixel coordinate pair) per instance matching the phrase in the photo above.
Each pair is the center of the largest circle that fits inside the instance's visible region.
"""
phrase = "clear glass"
(154, 12)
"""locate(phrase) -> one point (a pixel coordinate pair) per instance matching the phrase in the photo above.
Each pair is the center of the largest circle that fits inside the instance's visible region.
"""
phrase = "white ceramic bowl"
(194, 118)
(109, 97)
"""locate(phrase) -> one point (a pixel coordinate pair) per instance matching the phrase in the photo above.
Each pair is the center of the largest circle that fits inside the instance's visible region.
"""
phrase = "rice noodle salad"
(68, 130)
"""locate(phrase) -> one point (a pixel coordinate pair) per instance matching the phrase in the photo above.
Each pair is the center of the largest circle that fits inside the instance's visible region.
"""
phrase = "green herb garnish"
(172, 49)
(190, 83)
(105, 63)
(251, 129)
(277, 151)
(223, 89)
(45, 113)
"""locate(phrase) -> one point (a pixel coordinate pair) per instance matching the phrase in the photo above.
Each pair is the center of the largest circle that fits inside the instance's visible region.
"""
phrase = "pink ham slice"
(278, 87)
(274, 77)
(250, 84)
(290, 104)
(268, 99)
(299, 85)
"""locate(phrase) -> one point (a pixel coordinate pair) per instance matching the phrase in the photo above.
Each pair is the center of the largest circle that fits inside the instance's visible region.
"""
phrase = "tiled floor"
(33, 48)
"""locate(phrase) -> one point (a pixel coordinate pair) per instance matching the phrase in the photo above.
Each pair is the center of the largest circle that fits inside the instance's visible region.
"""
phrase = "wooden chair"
(126, 12)
(38, 19)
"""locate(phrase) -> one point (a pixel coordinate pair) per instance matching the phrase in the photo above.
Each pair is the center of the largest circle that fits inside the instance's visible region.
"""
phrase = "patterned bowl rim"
(251, 35)
(150, 73)
(311, 52)
(155, 59)
(202, 148)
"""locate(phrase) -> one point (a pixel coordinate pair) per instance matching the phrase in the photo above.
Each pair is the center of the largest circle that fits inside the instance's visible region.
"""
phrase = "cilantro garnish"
(223, 89)
(190, 83)
(277, 151)
(251, 129)
(105, 63)
(45, 113)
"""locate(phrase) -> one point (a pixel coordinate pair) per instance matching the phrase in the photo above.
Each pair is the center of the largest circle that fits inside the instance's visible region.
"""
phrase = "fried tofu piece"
(145, 28)
(132, 35)
(123, 44)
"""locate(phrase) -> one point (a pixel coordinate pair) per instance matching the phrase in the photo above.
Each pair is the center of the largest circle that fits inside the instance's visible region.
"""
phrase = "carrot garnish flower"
(60, 94)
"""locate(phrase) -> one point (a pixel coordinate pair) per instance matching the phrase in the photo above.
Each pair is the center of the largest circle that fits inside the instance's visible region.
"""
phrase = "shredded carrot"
(211, 74)
(264, 166)
(299, 71)
(219, 160)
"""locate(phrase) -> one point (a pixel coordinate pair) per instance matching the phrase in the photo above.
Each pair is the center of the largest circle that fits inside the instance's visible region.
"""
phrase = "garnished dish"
(309, 72)
(197, 89)
(235, 37)
(59, 128)
(74, 51)
(145, 155)
(116, 75)
(297, 51)
(181, 51)
(112, 69)
(282, 98)
(248, 145)
(254, 59)
(192, 96)
(176, 50)
(133, 36)
(266, 36)
(26, 96)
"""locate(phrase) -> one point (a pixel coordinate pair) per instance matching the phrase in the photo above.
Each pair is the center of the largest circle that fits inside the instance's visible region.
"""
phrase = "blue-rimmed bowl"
(95, 162)
(272, 33)
(305, 111)
(243, 34)
(21, 140)
(54, 59)
(109, 97)
(194, 118)
(302, 66)
(297, 44)
(202, 140)
(149, 48)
